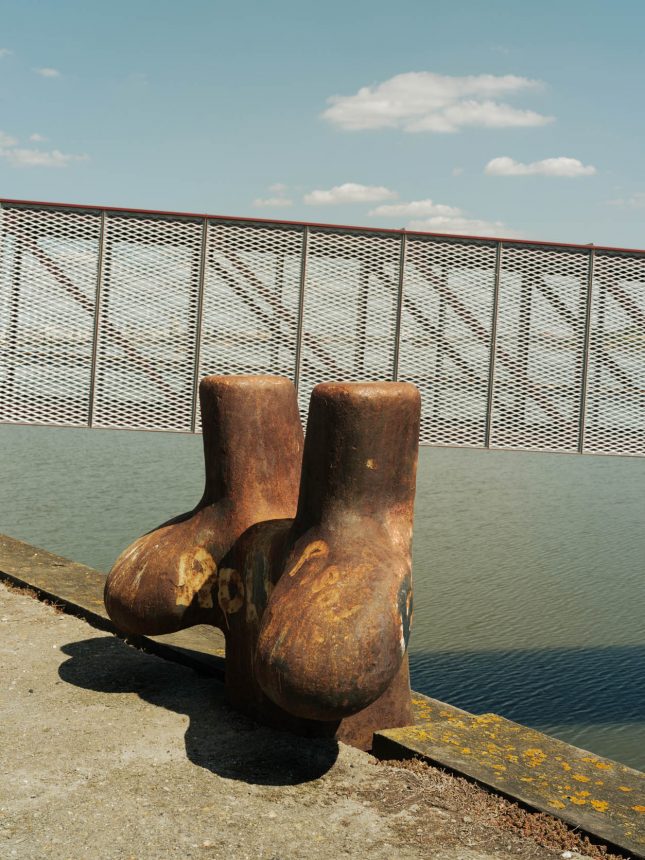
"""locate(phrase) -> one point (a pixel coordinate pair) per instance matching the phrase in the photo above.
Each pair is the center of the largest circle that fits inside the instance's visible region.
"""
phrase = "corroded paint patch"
(196, 570)
(313, 550)
(230, 590)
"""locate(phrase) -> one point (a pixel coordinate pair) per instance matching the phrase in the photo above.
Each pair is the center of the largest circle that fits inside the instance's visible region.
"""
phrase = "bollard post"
(307, 575)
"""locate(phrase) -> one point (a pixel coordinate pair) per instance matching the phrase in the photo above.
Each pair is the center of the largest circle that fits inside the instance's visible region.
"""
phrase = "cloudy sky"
(501, 118)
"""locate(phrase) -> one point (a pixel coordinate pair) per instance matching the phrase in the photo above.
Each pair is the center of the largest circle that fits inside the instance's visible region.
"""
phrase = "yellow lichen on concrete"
(534, 757)
(465, 743)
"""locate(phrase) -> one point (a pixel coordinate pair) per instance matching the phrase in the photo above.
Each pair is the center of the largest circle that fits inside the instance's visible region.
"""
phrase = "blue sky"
(497, 118)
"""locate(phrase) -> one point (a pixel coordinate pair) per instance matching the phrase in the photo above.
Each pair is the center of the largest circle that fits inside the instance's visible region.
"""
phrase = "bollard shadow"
(217, 738)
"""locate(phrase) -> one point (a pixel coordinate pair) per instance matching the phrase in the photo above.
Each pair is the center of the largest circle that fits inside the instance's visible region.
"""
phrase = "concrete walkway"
(108, 752)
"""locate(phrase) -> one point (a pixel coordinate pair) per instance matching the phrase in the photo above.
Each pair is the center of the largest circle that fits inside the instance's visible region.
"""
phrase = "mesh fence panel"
(615, 408)
(48, 266)
(445, 336)
(147, 323)
(539, 354)
(250, 315)
(512, 345)
(349, 319)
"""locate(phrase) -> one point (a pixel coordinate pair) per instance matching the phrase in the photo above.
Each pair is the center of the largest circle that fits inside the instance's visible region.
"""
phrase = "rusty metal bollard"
(312, 589)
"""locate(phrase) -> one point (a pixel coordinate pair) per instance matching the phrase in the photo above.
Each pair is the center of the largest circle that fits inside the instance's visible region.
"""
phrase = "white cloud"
(439, 218)
(457, 171)
(5, 52)
(37, 138)
(7, 140)
(47, 72)
(272, 202)
(464, 226)
(349, 192)
(425, 101)
(561, 166)
(634, 201)
(278, 188)
(416, 208)
(39, 158)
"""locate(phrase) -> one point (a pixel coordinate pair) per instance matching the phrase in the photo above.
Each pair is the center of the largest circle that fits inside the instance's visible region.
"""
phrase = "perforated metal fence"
(109, 318)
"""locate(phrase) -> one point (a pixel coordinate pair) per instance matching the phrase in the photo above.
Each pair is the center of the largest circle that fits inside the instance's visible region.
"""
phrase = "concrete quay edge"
(600, 797)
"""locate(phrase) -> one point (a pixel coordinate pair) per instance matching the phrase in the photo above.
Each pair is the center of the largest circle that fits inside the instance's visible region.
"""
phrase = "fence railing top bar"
(454, 237)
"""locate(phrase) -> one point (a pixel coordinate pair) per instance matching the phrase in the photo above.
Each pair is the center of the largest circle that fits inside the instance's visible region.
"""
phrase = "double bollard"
(299, 553)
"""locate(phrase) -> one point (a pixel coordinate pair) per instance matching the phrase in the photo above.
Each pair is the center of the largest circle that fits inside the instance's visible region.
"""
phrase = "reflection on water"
(529, 587)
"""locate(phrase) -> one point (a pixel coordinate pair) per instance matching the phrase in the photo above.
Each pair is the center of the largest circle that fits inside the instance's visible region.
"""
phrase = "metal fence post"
(585, 353)
(97, 313)
(493, 347)
(399, 307)
(301, 306)
(198, 322)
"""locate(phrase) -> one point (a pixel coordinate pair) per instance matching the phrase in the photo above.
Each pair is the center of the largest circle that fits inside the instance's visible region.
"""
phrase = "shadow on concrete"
(217, 738)
(539, 686)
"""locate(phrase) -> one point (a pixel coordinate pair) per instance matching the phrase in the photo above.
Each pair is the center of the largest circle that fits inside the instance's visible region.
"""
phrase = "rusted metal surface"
(308, 576)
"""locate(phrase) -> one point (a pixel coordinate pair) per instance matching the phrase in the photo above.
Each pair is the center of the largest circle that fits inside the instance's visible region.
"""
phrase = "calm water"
(530, 593)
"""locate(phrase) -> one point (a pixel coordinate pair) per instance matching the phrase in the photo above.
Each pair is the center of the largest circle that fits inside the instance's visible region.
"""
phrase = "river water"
(529, 568)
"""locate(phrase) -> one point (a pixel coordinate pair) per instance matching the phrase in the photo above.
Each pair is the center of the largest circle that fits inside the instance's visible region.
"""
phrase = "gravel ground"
(112, 754)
